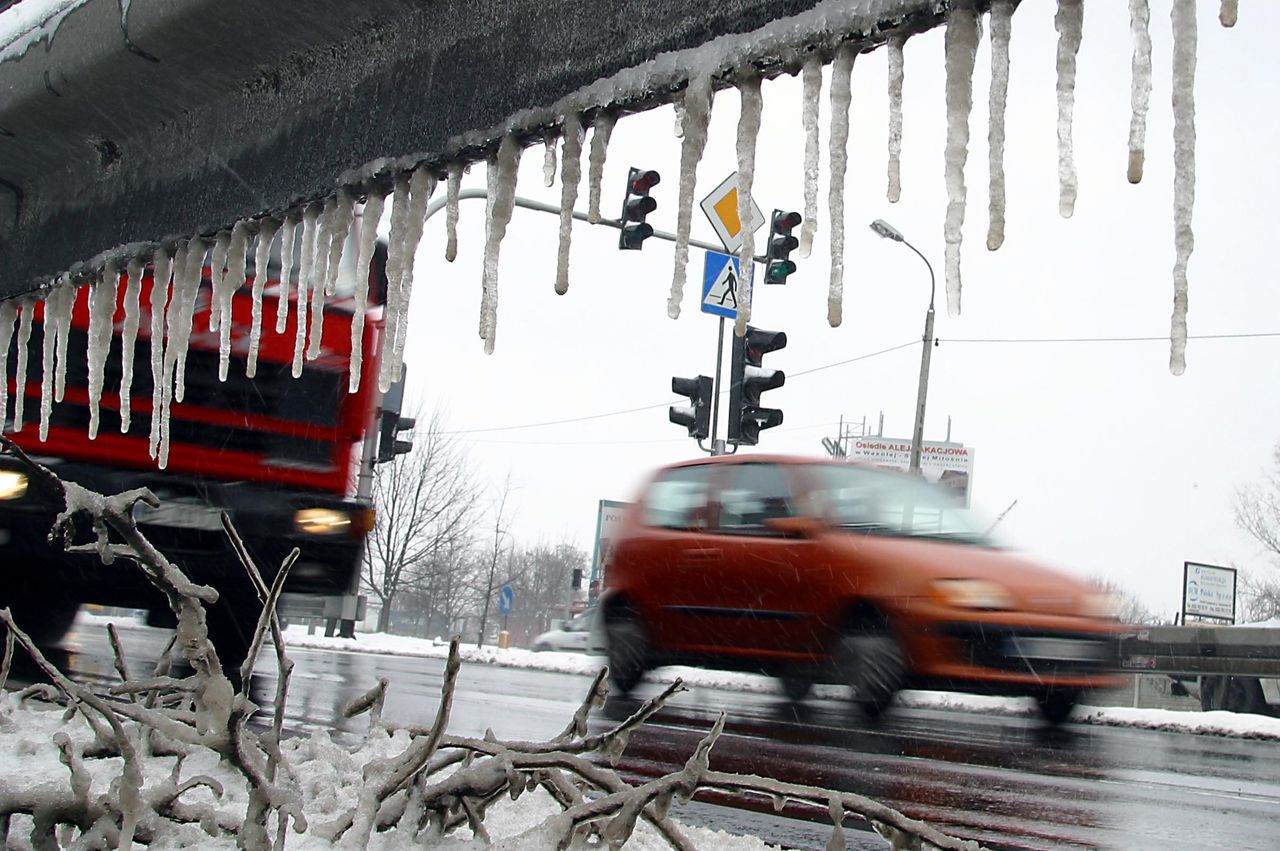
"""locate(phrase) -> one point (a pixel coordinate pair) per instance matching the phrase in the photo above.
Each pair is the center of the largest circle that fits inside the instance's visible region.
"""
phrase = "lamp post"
(888, 231)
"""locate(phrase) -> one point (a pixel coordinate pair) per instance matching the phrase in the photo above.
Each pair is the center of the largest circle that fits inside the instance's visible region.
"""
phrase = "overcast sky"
(1119, 469)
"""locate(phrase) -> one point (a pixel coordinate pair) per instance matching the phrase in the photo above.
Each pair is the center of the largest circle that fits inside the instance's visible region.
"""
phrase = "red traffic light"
(643, 181)
(785, 222)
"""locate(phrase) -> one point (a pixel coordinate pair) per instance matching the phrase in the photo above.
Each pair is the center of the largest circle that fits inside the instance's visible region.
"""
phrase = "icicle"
(1228, 12)
(49, 344)
(58, 306)
(1001, 29)
(1140, 25)
(503, 192)
(748, 131)
(174, 340)
(570, 177)
(341, 226)
(1185, 38)
(232, 281)
(421, 186)
(454, 186)
(601, 131)
(680, 118)
(181, 339)
(20, 373)
(128, 337)
(961, 45)
(64, 337)
(162, 265)
(395, 262)
(841, 98)
(306, 272)
(288, 236)
(696, 110)
(897, 74)
(549, 160)
(261, 260)
(1069, 23)
(8, 312)
(102, 310)
(325, 227)
(811, 79)
(217, 278)
(369, 219)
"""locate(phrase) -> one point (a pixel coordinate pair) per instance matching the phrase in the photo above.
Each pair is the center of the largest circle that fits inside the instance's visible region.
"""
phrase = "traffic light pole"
(717, 445)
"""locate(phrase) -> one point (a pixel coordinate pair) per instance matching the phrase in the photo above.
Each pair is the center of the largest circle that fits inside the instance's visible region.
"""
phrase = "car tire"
(796, 688)
(872, 664)
(628, 650)
(541, 647)
(1055, 704)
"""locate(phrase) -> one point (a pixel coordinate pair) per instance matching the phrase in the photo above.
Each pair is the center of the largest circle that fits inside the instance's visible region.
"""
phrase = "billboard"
(608, 520)
(949, 464)
(1208, 591)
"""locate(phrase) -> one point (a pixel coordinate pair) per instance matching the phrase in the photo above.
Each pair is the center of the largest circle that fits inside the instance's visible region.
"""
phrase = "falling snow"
(696, 114)
(1140, 24)
(811, 83)
(961, 45)
(570, 177)
(1069, 22)
(896, 74)
(748, 132)
(600, 133)
(841, 98)
(1185, 37)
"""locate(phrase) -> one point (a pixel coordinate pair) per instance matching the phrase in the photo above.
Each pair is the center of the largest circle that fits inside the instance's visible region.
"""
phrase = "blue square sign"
(720, 285)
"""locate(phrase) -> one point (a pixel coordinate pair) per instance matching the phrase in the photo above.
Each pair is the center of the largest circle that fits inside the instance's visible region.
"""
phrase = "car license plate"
(1060, 649)
(179, 515)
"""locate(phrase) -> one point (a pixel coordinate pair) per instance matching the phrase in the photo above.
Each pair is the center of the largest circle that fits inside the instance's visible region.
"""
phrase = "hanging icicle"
(231, 284)
(570, 177)
(288, 236)
(453, 186)
(695, 108)
(128, 337)
(502, 187)
(325, 227)
(549, 160)
(841, 99)
(1185, 39)
(306, 275)
(28, 306)
(961, 46)
(1228, 12)
(343, 214)
(58, 305)
(811, 90)
(1001, 29)
(748, 131)
(180, 339)
(217, 276)
(162, 266)
(369, 219)
(395, 263)
(1140, 96)
(600, 133)
(1069, 22)
(897, 67)
(102, 311)
(421, 187)
(174, 339)
(8, 313)
(261, 259)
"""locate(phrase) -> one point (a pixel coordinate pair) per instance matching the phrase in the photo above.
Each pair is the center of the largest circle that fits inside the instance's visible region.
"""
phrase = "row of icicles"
(323, 228)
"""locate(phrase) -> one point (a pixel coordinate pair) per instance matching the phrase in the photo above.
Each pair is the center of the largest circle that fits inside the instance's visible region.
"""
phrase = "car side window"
(753, 494)
(679, 499)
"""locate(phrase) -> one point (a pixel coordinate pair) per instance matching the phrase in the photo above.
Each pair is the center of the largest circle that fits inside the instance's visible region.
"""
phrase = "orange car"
(823, 571)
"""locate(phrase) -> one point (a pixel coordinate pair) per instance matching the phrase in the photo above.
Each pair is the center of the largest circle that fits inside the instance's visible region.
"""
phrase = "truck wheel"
(1055, 704)
(873, 664)
(628, 648)
(796, 688)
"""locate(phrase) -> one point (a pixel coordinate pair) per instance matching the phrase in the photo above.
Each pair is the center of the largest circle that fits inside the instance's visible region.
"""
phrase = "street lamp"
(888, 231)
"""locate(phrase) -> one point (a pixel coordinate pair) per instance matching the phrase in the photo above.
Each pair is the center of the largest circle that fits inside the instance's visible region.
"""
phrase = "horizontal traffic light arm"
(530, 204)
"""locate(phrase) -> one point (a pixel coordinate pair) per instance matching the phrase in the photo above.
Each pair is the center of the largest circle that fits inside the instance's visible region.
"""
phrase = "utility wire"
(1161, 339)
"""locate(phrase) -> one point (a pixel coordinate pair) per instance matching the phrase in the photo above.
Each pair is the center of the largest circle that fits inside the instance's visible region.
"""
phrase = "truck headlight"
(13, 484)
(973, 594)
(322, 521)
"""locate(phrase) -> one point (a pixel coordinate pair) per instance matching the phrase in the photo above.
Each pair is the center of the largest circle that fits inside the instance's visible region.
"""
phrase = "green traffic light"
(778, 270)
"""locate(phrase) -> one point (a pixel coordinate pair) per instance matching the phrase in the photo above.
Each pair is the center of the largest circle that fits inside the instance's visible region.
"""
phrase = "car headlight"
(322, 521)
(13, 484)
(973, 594)
(1101, 606)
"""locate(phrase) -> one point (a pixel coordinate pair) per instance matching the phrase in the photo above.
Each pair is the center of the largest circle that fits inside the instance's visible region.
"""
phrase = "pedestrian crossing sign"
(720, 285)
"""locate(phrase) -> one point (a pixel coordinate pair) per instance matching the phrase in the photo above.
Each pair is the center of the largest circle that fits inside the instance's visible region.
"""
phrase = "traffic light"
(635, 206)
(391, 423)
(577, 579)
(781, 243)
(696, 416)
(748, 380)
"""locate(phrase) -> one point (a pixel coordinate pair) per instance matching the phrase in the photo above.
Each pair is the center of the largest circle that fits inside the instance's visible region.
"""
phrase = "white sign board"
(608, 521)
(721, 207)
(949, 464)
(1208, 591)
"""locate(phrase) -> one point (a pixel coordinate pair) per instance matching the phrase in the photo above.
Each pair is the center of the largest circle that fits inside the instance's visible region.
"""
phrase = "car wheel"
(1055, 704)
(796, 688)
(873, 665)
(628, 647)
(541, 647)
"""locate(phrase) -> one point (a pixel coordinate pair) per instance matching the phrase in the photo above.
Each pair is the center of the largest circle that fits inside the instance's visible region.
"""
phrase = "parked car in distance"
(822, 571)
(574, 635)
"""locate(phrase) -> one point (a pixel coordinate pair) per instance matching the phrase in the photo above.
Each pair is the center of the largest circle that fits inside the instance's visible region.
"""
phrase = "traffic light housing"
(635, 206)
(696, 416)
(390, 423)
(781, 243)
(748, 379)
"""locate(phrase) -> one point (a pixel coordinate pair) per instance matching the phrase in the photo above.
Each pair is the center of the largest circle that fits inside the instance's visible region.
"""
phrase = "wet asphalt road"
(1004, 781)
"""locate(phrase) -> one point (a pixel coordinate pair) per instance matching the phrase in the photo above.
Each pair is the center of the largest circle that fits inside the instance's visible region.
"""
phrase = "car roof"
(763, 459)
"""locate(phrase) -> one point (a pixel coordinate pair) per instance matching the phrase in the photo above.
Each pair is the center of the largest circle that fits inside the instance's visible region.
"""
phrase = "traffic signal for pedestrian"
(637, 204)
(781, 243)
(748, 379)
(696, 416)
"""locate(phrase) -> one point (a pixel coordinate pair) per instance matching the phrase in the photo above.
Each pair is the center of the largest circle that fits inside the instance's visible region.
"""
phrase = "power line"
(1160, 339)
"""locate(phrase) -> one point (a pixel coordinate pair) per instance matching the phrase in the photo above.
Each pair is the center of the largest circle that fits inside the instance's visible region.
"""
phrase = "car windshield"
(890, 503)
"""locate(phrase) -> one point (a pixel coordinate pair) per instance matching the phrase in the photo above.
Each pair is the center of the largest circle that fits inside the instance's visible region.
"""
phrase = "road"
(1004, 781)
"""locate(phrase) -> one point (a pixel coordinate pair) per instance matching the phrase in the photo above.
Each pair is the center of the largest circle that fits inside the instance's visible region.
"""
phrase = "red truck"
(282, 455)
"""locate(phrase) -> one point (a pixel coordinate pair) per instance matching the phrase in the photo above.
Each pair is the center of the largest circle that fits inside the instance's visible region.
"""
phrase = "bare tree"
(543, 577)
(426, 504)
(1129, 606)
(498, 552)
(1257, 512)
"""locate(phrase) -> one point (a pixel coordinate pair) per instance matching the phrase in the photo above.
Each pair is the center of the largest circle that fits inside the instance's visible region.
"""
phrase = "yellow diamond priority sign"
(721, 207)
